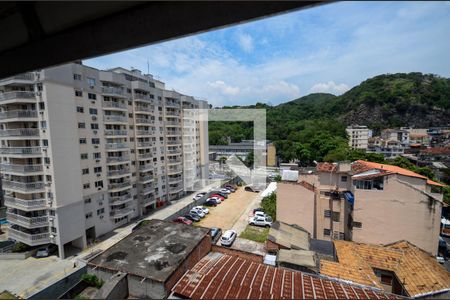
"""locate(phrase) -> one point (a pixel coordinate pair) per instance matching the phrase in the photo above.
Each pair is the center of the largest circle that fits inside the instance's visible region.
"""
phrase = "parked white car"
(201, 208)
(260, 214)
(265, 221)
(228, 238)
(226, 191)
(198, 212)
(198, 196)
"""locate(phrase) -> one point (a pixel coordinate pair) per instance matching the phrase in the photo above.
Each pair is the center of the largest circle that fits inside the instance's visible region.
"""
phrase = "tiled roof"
(325, 167)
(361, 166)
(220, 276)
(436, 150)
(419, 272)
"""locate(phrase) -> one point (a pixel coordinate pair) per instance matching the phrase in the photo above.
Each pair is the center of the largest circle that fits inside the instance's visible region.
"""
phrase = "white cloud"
(329, 87)
(245, 42)
(224, 88)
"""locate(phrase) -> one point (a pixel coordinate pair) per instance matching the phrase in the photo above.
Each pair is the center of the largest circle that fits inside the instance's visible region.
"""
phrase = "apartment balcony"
(116, 146)
(144, 98)
(145, 144)
(173, 133)
(173, 104)
(172, 114)
(27, 78)
(21, 151)
(147, 190)
(119, 172)
(174, 152)
(29, 239)
(148, 201)
(113, 132)
(174, 161)
(118, 200)
(146, 167)
(145, 132)
(122, 212)
(172, 124)
(117, 159)
(27, 222)
(144, 121)
(174, 170)
(173, 142)
(20, 169)
(119, 185)
(17, 96)
(146, 179)
(175, 180)
(144, 156)
(113, 91)
(115, 119)
(20, 132)
(115, 105)
(26, 205)
(29, 187)
(18, 115)
(144, 109)
(176, 189)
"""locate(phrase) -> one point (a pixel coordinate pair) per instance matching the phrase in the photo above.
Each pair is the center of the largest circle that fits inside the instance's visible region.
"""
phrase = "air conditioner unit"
(99, 189)
(94, 118)
(41, 112)
(98, 175)
(94, 131)
(93, 102)
(96, 146)
(51, 218)
(98, 160)
(101, 217)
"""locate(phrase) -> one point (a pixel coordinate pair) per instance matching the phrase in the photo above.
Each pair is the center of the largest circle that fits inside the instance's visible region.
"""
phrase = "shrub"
(20, 247)
(92, 280)
(269, 204)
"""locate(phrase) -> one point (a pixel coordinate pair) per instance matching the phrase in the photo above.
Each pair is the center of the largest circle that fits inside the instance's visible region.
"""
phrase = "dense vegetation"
(269, 205)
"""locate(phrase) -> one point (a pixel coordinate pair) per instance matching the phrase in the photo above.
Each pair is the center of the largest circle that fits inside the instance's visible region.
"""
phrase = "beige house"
(364, 202)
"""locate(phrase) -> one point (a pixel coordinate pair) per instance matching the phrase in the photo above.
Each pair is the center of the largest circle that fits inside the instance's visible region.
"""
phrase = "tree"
(269, 205)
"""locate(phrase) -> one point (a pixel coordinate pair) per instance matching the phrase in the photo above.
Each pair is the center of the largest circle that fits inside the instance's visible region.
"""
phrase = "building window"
(86, 186)
(375, 184)
(76, 76)
(82, 140)
(81, 125)
(100, 211)
(45, 143)
(92, 96)
(43, 124)
(344, 178)
(130, 115)
(326, 232)
(87, 200)
(95, 141)
(97, 155)
(99, 183)
(84, 156)
(78, 93)
(94, 126)
(47, 160)
(93, 111)
(90, 82)
(89, 215)
(327, 213)
(97, 169)
(152, 96)
(80, 109)
(336, 216)
(357, 224)
(85, 171)
(53, 229)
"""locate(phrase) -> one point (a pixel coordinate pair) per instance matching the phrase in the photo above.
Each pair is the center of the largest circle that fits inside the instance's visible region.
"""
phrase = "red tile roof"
(436, 150)
(220, 276)
(361, 166)
(325, 167)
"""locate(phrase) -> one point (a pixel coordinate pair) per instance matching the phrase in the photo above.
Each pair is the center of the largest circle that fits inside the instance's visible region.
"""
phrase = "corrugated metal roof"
(220, 276)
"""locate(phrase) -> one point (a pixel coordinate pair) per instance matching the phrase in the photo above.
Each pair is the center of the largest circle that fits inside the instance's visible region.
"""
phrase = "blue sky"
(329, 48)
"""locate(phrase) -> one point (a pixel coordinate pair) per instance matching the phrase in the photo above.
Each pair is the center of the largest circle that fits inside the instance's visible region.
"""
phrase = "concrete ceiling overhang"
(36, 35)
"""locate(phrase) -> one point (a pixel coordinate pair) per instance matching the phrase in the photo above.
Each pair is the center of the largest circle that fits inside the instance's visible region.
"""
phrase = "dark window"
(86, 186)
(336, 216)
(357, 224)
(41, 105)
(84, 156)
(327, 213)
(80, 109)
(91, 82)
(97, 169)
(93, 111)
(82, 141)
(45, 143)
(85, 171)
(81, 125)
(344, 178)
(326, 232)
(99, 183)
(94, 126)
(78, 93)
(47, 160)
(97, 155)
(100, 211)
(76, 76)
(92, 96)
(95, 141)
(87, 200)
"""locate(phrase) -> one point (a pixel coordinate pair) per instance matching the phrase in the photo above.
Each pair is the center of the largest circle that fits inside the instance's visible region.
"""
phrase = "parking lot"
(231, 211)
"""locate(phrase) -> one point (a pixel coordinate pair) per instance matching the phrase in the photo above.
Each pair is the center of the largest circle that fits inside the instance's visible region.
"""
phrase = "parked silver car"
(228, 238)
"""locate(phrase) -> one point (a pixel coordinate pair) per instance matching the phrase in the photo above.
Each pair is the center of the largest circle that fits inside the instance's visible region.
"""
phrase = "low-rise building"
(400, 268)
(390, 149)
(364, 202)
(244, 148)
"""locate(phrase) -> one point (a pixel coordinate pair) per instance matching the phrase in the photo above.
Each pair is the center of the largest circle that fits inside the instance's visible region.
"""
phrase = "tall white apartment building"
(358, 136)
(84, 151)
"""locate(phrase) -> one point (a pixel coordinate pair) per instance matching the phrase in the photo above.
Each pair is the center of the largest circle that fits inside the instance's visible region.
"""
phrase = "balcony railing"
(139, 108)
(145, 155)
(20, 132)
(112, 159)
(119, 172)
(15, 114)
(145, 144)
(20, 150)
(174, 170)
(146, 178)
(111, 104)
(119, 119)
(24, 186)
(29, 239)
(16, 95)
(116, 145)
(145, 98)
(147, 190)
(146, 167)
(119, 185)
(25, 204)
(27, 221)
(175, 180)
(110, 132)
(144, 121)
(173, 142)
(172, 123)
(112, 91)
(119, 213)
(145, 132)
(118, 200)
(174, 161)
(172, 114)
(20, 168)
(23, 76)
(148, 200)
(177, 152)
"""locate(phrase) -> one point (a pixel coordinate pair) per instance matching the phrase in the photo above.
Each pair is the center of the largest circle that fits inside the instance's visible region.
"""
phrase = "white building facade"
(84, 151)
(358, 136)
